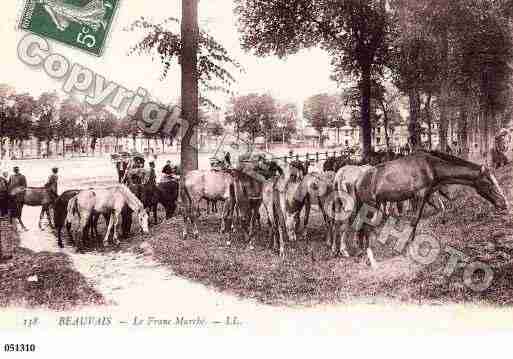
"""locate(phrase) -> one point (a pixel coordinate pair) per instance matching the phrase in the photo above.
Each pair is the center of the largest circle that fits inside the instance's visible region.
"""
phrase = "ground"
(207, 271)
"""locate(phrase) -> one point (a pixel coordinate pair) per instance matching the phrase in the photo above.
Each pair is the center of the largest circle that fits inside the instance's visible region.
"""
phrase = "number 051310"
(19, 348)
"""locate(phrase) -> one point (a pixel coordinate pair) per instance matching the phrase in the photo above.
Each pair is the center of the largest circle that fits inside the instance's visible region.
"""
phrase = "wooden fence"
(316, 157)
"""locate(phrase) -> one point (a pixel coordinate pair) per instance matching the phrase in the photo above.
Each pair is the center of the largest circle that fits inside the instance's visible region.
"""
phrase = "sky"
(293, 79)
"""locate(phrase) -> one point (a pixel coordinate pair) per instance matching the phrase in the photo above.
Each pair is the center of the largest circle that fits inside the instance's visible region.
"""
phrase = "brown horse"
(420, 175)
(247, 199)
(31, 196)
(165, 193)
(60, 211)
(110, 201)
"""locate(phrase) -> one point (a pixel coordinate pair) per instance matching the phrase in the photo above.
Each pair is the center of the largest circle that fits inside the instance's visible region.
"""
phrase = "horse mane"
(450, 158)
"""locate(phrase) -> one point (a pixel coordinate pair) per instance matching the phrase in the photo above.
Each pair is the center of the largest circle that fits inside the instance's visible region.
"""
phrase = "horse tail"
(184, 197)
(72, 209)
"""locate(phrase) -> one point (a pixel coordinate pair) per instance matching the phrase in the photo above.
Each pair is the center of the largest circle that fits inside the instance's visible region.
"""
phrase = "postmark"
(83, 24)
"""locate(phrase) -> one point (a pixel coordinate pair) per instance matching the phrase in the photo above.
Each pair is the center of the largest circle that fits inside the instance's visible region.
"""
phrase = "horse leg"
(194, 222)
(281, 238)
(418, 216)
(41, 215)
(68, 230)
(84, 227)
(444, 194)
(308, 205)
(59, 237)
(185, 216)
(19, 209)
(342, 249)
(49, 217)
(252, 220)
(115, 215)
(227, 208)
(365, 246)
(109, 227)
(155, 205)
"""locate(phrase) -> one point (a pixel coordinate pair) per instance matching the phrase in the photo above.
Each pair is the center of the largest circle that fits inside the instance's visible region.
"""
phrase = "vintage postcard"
(258, 168)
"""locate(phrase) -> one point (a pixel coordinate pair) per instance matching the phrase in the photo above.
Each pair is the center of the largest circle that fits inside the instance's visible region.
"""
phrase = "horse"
(110, 201)
(165, 193)
(209, 184)
(247, 199)
(60, 211)
(420, 175)
(279, 200)
(31, 196)
(335, 163)
(345, 182)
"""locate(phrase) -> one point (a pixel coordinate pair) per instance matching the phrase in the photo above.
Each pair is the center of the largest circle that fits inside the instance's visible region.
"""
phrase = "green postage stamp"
(84, 24)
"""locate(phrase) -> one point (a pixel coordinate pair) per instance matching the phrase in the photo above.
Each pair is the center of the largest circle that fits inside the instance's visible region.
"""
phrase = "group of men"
(14, 186)
(136, 173)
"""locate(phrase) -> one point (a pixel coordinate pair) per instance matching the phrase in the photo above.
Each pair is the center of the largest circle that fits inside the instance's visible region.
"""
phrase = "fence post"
(316, 156)
(297, 157)
(285, 158)
(306, 157)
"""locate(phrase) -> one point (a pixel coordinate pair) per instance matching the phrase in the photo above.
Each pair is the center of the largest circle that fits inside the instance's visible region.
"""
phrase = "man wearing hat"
(51, 185)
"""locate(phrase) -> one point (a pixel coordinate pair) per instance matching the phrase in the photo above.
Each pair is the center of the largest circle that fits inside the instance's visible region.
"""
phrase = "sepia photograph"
(254, 167)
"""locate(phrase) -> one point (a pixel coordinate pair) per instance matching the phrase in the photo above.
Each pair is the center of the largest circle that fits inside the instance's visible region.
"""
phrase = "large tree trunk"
(414, 126)
(365, 123)
(462, 130)
(189, 151)
(385, 124)
(444, 91)
(429, 120)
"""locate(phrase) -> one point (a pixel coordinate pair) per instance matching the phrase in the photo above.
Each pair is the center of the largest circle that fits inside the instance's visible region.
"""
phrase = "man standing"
(227, 160)
(51, 185)
(17, 182)
(152, 175)
(17, 186)
(4, 187)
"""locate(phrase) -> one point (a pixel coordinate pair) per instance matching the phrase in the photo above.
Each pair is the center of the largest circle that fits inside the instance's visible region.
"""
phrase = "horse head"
(488, 187)
(142, 217)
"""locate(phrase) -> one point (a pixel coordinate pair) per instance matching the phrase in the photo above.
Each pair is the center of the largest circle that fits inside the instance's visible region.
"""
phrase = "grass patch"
(309, 275)
(58, 285)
